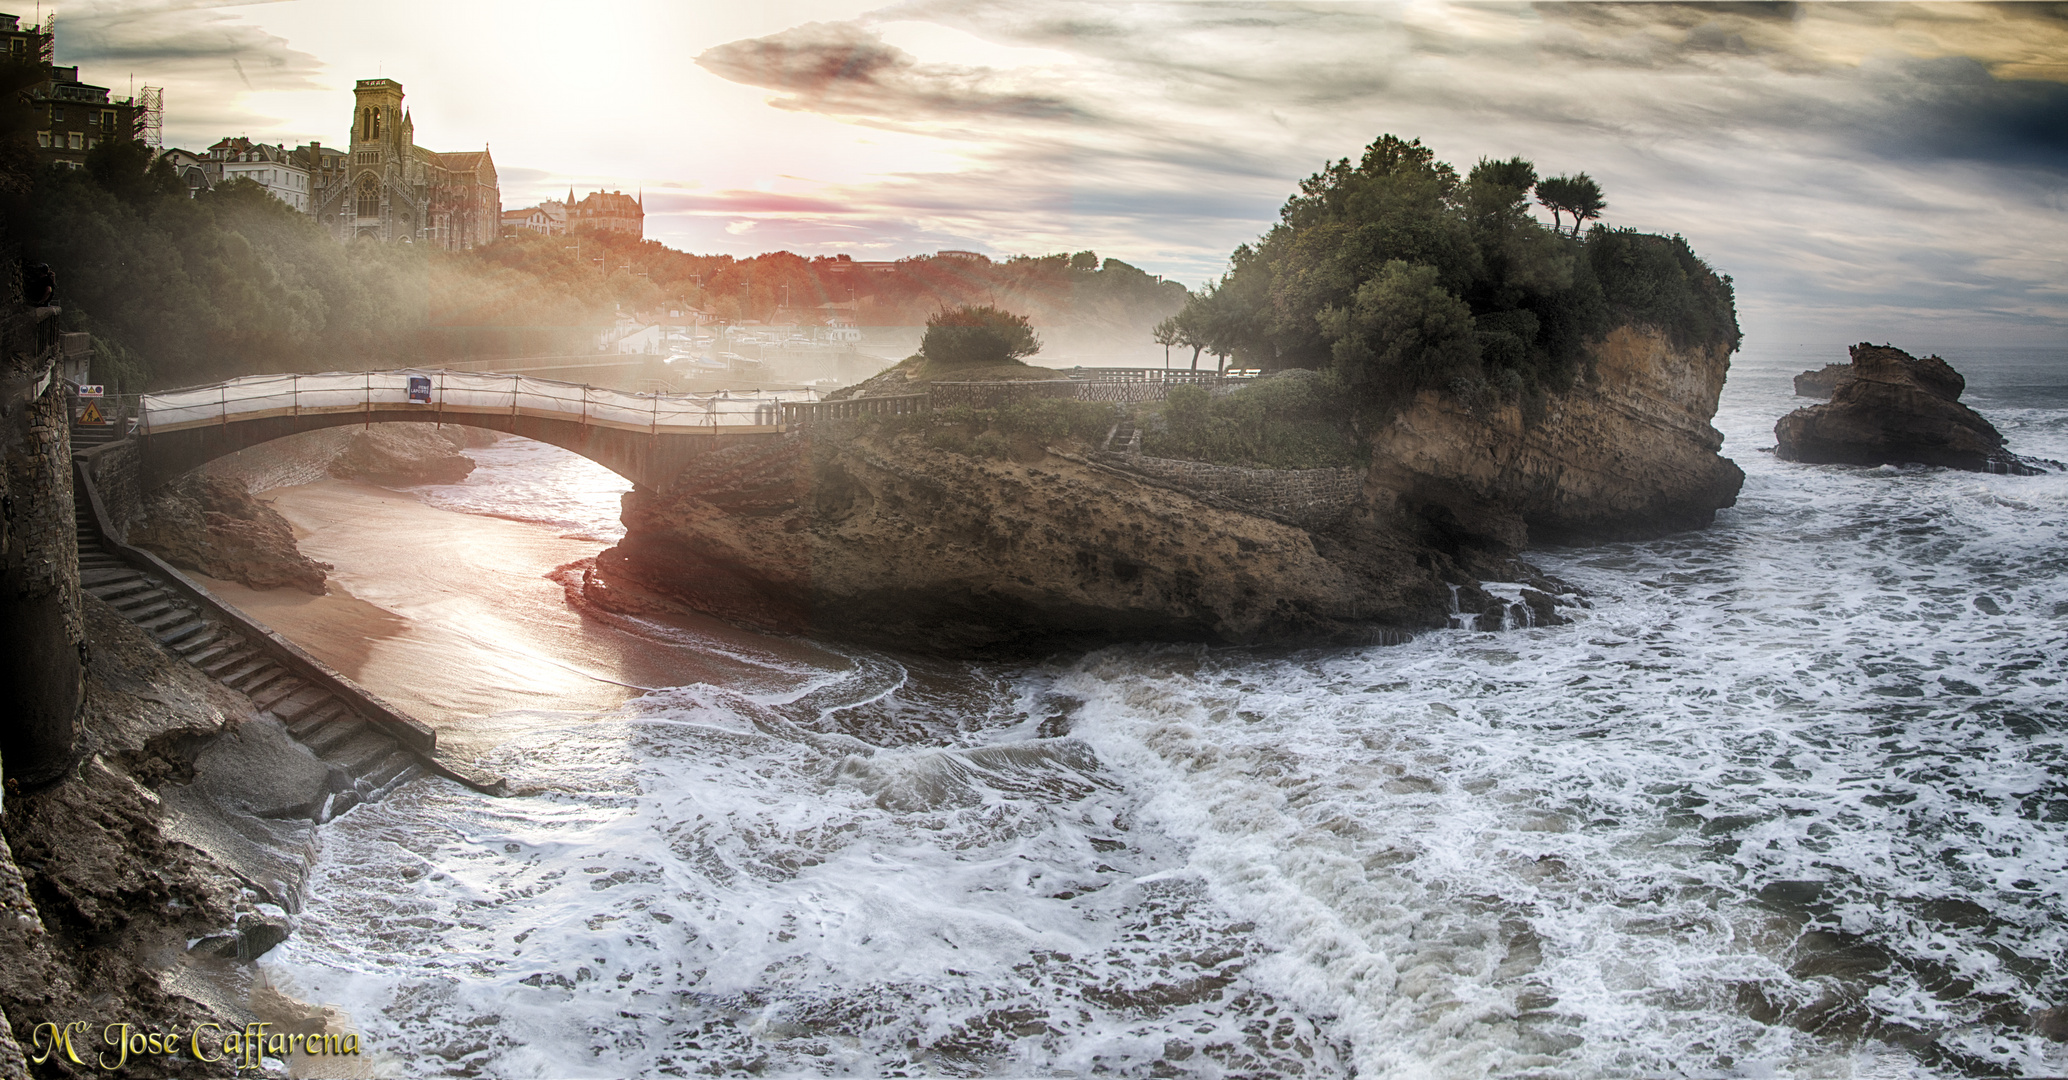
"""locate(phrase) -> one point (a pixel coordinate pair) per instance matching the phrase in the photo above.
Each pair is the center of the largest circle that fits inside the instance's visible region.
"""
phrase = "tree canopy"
(1402, 276)
(977, 337)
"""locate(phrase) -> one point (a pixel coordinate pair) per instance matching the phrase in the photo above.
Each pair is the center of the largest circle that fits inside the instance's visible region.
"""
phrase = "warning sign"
(92, 414)
(92, 390)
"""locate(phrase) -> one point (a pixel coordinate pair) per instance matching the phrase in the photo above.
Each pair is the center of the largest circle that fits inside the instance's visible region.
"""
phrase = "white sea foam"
(1787, 800)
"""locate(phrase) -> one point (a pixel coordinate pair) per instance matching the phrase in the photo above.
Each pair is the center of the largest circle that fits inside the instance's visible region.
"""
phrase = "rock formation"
(1821, 382)
(872, 533)
(211, 524)
(1896, 409)
(1627, 454)
(399, 455)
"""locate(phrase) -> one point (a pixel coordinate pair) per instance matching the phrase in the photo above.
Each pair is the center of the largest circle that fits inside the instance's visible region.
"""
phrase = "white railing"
(438, 395)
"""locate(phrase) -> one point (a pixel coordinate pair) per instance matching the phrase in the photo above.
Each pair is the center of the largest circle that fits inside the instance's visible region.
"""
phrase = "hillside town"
(381, 185)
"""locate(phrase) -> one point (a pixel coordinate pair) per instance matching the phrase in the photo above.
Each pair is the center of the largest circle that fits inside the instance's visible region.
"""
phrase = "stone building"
(392, 189)
(70, 116)
(608, 211)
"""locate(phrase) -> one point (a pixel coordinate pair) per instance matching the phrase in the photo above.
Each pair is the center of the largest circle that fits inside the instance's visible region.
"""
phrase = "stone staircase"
(1125, 438)
(315, 717)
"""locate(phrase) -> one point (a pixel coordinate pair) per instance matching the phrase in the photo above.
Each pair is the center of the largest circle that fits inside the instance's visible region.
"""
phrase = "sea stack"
(1895, 409)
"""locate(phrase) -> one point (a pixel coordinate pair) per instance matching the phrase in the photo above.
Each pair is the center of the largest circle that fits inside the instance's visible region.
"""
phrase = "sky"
(1863, 171)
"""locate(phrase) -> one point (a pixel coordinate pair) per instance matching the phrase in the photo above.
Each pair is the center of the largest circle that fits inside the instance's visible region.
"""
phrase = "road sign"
(92, 390)
(92, 415)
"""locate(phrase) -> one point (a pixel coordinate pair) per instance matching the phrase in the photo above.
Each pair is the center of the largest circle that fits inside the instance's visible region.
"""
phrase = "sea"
(1787, 797)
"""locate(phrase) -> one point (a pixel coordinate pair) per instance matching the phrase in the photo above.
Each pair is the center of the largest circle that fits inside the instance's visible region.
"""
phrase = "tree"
(977, 337)
(1166, 334)
(1577, 195)
(1403, 331)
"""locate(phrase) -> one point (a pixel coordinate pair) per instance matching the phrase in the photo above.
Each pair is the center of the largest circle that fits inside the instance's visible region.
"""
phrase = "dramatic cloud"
(1885, 164)
(844, 70)
(1861, 169)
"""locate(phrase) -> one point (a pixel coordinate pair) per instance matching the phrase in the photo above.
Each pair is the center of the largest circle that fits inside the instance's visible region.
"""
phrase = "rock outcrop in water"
(873, 534)
(399, 455)
(1896, 409)
(1823, 381)
(211, 524)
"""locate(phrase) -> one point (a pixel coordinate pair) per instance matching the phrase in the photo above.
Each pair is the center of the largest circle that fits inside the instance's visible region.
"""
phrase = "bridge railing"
(458, 394)
(802, 413)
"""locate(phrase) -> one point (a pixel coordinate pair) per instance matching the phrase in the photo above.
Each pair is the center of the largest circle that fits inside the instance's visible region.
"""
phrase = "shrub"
(1294, 420)
(977, 337)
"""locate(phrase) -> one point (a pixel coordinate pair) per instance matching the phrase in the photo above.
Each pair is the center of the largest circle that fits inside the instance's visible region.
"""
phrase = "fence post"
(513, 394)
(368, 403)
(655, 427)
(297, 392)
(440, 425)
(222, 404)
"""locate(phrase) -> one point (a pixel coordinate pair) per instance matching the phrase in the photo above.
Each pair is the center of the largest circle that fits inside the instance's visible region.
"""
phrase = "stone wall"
(1309, 498)
(117, 471)
(997, 395)
(42, 631)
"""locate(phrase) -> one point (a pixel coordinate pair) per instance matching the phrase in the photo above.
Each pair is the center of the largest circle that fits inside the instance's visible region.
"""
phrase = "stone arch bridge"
(646, 438)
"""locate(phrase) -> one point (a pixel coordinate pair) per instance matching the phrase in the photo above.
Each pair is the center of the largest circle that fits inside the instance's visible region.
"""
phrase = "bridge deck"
(437, 394)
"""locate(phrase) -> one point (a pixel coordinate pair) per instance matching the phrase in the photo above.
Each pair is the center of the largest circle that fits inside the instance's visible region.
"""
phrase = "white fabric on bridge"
(461, 393)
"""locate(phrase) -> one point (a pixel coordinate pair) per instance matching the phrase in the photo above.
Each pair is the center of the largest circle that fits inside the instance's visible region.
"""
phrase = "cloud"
(1885, 158)
(175, 39)
(845, 69)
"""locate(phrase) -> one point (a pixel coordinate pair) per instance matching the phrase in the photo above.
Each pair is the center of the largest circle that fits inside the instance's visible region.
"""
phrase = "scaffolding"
(150, 117)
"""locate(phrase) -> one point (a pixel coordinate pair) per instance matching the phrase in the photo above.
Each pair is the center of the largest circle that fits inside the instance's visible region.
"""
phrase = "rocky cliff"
(1628, 453)
(874, 533)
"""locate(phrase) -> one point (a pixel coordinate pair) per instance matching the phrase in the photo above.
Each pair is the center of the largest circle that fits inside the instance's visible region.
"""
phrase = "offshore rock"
(1897, 410)
(881, 538)
(400, 455)
(211, 524)
(1627, 453)
(1823, 381)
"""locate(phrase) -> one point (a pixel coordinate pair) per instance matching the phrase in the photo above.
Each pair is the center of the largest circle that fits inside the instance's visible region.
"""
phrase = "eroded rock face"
(1823, 381)
(887, 540)
(211, 524)
(1629, 453)
(1896, 409)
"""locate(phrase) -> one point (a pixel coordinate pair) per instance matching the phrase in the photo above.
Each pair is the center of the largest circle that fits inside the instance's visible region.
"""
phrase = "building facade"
(277, 169)
(390, 189)
(608, 211)
(548, 218)
(70, 116)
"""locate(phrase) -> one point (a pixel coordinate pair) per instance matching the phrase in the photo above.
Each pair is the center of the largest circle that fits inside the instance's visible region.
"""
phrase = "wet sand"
(454, 617)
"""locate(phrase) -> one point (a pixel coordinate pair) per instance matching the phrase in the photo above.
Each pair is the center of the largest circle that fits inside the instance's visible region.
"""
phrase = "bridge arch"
(645, 438)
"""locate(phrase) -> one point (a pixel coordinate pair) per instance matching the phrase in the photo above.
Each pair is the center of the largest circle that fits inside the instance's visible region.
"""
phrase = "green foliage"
(1401, 277)
(1659, 281)
(1051, 419)
(1577, 195)
(976, 337)
(1293, 420)
(1403, 331)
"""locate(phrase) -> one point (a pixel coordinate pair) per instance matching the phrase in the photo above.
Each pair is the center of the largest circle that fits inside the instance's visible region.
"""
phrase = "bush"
(1294, 420)
(1659, 281)
(977, 337)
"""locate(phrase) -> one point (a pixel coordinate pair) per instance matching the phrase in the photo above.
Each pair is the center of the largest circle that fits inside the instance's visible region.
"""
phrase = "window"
(108, 118)
(43, 139)
(369, 198)
(78, 141)
(57, 114)
(91, 143)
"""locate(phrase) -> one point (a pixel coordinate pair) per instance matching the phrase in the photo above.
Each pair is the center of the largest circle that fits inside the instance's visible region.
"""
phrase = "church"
(388, 188)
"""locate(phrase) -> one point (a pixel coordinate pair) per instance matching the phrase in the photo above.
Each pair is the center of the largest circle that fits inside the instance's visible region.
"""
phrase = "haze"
(1863, 170)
